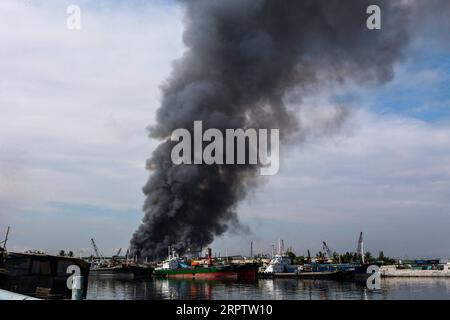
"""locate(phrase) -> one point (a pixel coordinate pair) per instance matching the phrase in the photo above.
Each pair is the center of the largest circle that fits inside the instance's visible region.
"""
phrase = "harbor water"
(269, 289)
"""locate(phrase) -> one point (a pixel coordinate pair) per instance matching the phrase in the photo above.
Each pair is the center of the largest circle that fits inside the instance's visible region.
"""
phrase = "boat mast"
(97, 252)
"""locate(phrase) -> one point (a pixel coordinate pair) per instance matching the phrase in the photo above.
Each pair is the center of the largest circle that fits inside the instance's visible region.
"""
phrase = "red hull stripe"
(209, 275)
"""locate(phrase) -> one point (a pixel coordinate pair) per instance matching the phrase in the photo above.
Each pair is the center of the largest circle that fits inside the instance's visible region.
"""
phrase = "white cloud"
(384, 161)
(75, 104)
(387, 175)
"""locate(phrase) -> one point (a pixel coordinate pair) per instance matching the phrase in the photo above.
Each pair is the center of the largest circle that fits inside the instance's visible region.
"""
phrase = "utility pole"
(251, 249)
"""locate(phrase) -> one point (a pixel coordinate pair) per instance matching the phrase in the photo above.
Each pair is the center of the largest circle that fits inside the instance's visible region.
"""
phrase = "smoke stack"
(242, 59)
(209, 255)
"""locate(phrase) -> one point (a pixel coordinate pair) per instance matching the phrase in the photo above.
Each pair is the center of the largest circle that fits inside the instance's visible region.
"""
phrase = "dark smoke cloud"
(242, 58)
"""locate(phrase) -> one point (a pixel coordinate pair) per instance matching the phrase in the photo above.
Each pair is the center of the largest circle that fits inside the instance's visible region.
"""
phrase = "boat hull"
(127, 272)
(248, 271)
(198, 273)
(334, 275)
(321, 275)
(29, 274)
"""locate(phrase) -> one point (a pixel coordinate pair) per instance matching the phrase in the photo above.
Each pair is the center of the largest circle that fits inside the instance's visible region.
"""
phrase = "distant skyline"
(73, 143)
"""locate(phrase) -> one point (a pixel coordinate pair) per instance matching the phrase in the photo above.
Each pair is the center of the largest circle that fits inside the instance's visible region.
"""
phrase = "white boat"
(280, 263)
(173, 261)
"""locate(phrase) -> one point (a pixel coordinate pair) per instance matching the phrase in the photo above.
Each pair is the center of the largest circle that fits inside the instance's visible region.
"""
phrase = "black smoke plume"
(242, 58)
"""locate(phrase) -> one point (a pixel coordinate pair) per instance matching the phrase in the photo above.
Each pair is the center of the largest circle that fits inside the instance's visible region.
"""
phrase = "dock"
(393, 271)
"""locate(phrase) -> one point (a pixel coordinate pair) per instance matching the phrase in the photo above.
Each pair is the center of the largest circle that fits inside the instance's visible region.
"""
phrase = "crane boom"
(97, 253)
(327, 250)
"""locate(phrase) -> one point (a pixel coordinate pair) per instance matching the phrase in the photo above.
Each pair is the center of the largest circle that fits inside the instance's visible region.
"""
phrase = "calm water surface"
(392, 288)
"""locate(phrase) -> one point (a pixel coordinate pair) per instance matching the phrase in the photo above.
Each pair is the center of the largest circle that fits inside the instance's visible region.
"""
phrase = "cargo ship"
(176, 267)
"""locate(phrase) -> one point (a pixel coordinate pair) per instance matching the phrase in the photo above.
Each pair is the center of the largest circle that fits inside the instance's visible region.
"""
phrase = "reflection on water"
(277, 289)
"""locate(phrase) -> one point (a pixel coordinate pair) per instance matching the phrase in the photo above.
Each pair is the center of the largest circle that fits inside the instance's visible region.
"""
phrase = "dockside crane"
(327, 252)
(115, 257)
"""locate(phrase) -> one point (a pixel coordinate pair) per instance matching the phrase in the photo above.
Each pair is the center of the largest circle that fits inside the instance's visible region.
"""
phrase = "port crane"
(116, 256)
(327, 251)
(97, 252)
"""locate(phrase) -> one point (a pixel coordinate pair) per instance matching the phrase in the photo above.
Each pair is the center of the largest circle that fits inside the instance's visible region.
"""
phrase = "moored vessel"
(176, 267)
(41, 275)
(280, 265)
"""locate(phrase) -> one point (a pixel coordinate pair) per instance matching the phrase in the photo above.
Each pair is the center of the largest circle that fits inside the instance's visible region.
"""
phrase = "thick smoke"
(242, 58)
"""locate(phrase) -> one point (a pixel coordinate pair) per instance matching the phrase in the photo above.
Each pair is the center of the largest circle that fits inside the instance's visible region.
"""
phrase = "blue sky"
(73, 142)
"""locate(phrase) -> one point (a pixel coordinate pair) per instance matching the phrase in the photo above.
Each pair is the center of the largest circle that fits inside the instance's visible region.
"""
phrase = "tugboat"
(176, 267)
(280, 265)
